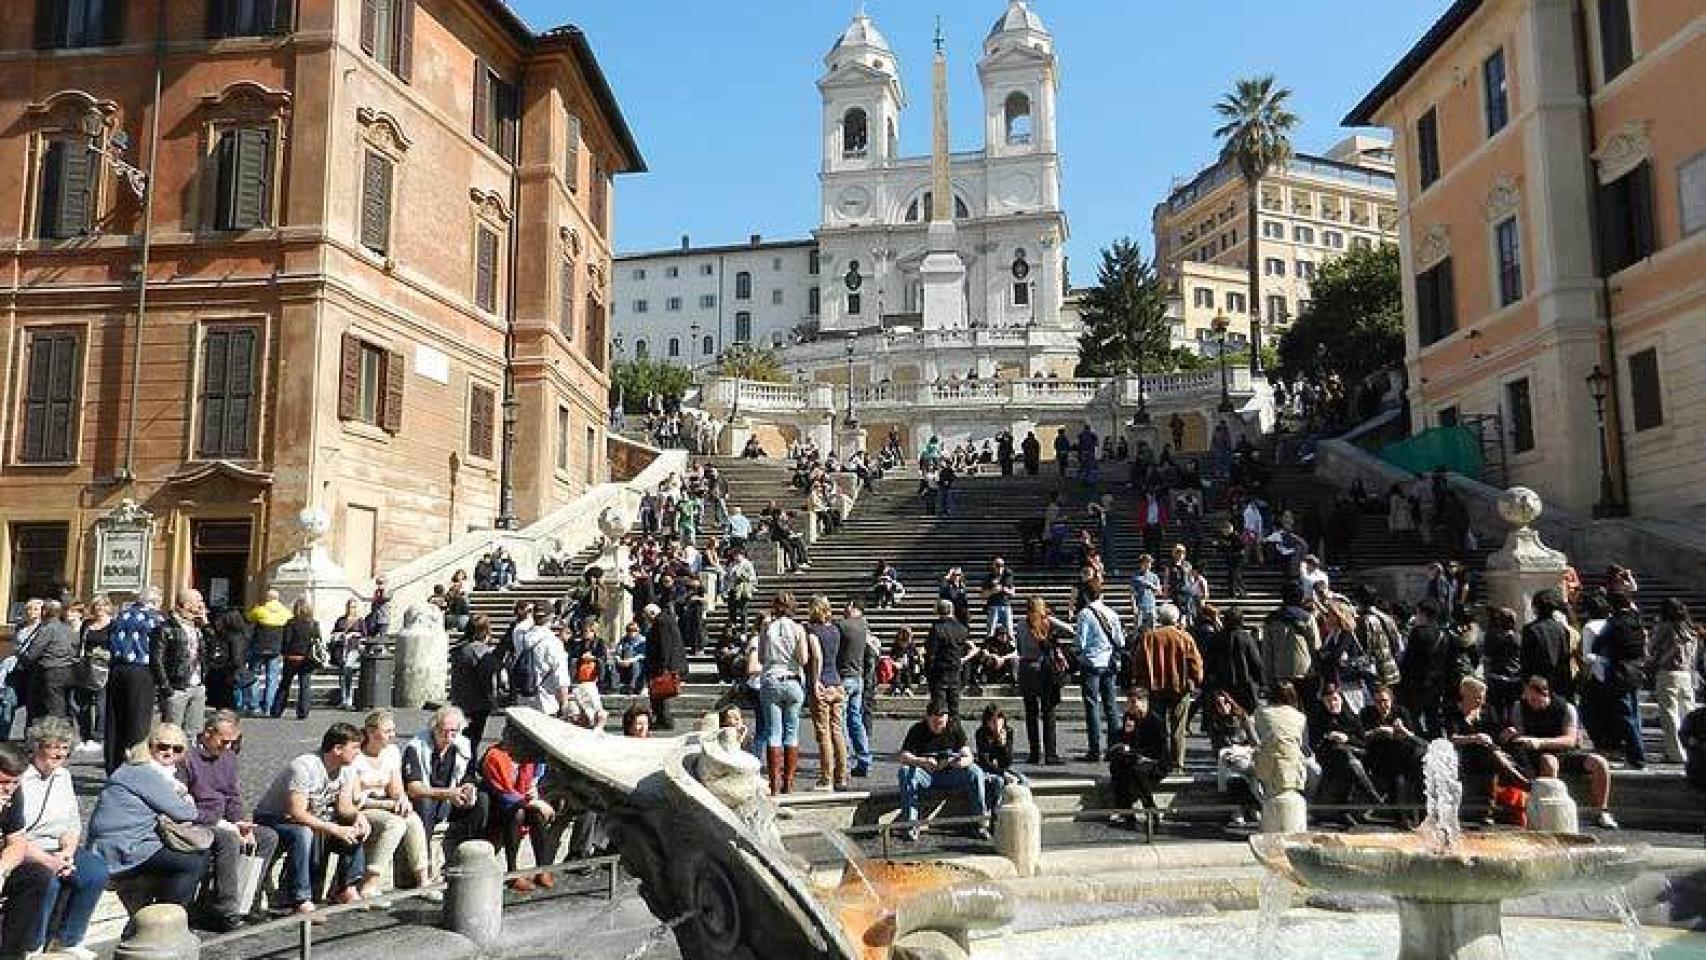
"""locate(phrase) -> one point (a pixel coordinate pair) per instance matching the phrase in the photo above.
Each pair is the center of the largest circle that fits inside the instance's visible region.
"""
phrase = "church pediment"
(855, 74)
(1016, 56)
(219, 481)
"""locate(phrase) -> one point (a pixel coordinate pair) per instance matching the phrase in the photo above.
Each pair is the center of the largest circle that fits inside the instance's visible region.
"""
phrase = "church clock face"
(853, 203)
(1019, 190)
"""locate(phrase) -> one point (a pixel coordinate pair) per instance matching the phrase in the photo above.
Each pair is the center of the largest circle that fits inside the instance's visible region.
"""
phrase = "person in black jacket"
(665, 653)
(49, 662)
(1232, 660)
(1423, 666)
(1137, 755)
(178, 662)
(1623, 645)
(1395, 750)
(1546, 646)
(1336, 737)
(301, 635)
(945, 651)
(473, 667)
(225, 652)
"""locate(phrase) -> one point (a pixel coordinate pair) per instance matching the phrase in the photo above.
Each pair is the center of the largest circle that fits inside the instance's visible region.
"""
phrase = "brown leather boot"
(773, 768)
(790, 760)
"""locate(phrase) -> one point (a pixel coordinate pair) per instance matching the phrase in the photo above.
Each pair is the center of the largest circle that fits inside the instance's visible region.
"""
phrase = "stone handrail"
(572, 527)
(755, 397)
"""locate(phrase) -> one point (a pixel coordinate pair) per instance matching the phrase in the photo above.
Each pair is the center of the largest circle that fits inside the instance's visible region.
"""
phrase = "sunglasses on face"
(173, 748)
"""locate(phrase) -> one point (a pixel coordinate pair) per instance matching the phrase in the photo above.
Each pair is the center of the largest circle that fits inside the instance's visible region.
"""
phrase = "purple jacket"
(213, 784)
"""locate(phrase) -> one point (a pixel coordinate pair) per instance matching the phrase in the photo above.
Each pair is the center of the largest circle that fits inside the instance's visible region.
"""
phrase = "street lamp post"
(693, 353)
(1599, 383)
(1221, 323)
(852, 341)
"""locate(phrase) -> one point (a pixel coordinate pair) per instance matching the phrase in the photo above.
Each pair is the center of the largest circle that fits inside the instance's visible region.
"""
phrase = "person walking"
(1675, 645)
(1232, 657)
(1100, 641)
(998, 598)
(266, 654)
(945, 649)
(132, 640)
(300, 647)
(1167, 663)
(850, 660)
(828, 699)
(473, 677)
(1044, 668)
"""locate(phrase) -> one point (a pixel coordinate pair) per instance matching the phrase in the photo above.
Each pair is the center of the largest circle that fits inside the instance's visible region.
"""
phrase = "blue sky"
(722, 97)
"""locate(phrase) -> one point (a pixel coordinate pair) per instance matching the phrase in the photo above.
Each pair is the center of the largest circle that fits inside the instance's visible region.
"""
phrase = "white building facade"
(688, 305)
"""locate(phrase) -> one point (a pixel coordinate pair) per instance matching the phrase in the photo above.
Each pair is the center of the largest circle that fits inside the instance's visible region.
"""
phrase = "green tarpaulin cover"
(1454, 448)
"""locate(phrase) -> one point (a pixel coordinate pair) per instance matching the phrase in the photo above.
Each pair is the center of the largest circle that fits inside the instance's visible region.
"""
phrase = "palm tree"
(747, 362)
(1256, 137)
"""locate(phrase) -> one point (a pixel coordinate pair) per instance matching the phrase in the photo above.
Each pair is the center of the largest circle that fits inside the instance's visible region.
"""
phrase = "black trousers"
(130, 710)
(1041, 697)
(941, 692)
(1134, 777)
(50, 692)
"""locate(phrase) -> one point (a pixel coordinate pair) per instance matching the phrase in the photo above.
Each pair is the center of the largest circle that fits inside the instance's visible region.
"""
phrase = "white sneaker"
(1606, 821)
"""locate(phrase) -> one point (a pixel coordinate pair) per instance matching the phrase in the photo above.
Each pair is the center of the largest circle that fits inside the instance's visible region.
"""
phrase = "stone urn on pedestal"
(1524, 565)
(310, 571)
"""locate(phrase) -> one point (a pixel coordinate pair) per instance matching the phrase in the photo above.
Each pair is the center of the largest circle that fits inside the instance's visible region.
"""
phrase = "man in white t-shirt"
(312, 802)
(550, 661)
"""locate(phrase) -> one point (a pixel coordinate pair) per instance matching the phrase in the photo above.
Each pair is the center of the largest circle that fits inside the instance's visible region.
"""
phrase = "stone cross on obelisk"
(942, 271)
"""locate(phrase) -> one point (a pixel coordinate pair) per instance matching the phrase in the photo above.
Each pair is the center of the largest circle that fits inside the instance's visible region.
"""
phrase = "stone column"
(160, 931)
(1524, 566)
(1550, 808)
(422, 663)
(1019, 829)
(474, 895)
(1285, 812)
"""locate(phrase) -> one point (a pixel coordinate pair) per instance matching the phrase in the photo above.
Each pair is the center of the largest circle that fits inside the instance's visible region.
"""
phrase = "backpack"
(492, 672)
(525, 672)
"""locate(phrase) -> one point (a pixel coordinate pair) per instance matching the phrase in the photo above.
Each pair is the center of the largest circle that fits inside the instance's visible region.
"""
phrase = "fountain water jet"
(1449, 888)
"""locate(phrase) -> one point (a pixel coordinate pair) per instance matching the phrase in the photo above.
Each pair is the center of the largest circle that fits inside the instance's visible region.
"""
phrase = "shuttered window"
(572, 158)
(67, 190)
(482, 405)
(370, 385)
(486, 269)
(1427, 149)
(249, 18)
(1436, 304)
(566, 319)
(228, 383)
(496, 111)
(388, 34)
(376, 179)
(50, 398)
(62, 24)
(1626, 218)
(597, 345)
(244, 190)
(1646, 393)
(563, 439)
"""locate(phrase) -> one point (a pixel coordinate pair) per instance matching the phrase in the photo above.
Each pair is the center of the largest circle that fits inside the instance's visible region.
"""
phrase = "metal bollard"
(159, 932)
(474, 895)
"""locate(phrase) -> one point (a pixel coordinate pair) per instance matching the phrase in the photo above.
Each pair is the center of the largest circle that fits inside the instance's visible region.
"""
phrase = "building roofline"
(1362, 115)
(718, 249)
(1311, 157)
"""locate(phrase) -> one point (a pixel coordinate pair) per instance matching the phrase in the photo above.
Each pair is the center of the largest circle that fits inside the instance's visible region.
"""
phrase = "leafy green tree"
(1355, 322)
(1125, 316)
(1257, 138)
(635, 380)
(749, 362)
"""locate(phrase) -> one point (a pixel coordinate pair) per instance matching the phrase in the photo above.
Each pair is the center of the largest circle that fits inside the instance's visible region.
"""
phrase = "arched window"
(855, 133)
(642, 349)
(743, 327)
(927, 204)
(1018, 112)
(674, 347)
(710, 346)
(743, 286)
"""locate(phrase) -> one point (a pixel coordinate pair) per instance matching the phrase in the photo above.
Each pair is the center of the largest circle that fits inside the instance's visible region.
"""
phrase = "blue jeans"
(304, 852)
(780, 699)
(858, 736)
(71, 901)
(915, 782)
(1101, 696)
(348, 673)
(997, 614)
(1628, 706)
(261, 692)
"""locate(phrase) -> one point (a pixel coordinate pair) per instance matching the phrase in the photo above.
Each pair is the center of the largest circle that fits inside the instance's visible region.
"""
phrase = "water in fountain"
(851, 853)
(625, 891)
(658, 935)
(1274, 901)
(1638, 946)
(1444, 792)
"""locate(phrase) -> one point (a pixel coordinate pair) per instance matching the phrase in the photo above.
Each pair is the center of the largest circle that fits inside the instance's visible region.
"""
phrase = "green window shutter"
(391, 408)
(47, 212)
(369, 25)
(65, 188)
(251, 179)
(482, 96)
(376, 179)
(566, 321)
(50, 23)
(225, 167)
(240, 393)
(486, 270)
(349, 378)
(215, 370)
(50, 398)
(404, 48)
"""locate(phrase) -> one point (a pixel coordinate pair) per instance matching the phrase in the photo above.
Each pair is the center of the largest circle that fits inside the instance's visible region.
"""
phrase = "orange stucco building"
(1552, 194)
(347, 214)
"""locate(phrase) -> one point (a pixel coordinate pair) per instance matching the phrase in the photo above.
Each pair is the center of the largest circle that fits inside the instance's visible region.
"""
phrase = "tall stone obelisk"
(942, 271)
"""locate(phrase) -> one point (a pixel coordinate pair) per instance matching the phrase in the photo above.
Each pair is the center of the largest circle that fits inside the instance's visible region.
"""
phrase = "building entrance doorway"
(38, 564)
(219, 561)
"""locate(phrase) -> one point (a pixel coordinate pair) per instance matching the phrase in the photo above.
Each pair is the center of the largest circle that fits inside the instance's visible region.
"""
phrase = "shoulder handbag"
(665, 686)
(183, 837)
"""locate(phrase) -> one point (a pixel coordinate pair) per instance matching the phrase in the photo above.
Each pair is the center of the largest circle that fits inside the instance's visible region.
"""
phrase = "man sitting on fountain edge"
(936, 756)
(1545, 735)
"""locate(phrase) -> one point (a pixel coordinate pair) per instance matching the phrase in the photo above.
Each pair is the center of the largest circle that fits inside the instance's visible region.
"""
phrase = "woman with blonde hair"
(828, 698)
(303, 649)
(781, 659)
(379, 793)
(144, 801)
(1045, 666)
